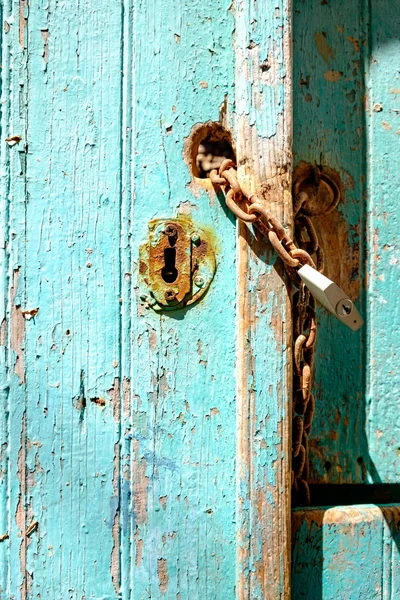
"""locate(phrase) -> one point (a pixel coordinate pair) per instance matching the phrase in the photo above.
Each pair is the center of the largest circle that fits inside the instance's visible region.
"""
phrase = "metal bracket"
(176, 264)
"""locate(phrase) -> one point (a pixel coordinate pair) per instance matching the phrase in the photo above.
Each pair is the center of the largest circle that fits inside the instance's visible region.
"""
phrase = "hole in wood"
(211, 154)
(207, 146)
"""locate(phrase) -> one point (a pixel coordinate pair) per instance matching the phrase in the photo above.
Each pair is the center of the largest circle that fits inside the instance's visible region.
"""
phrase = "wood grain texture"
(383, 260)
(348, 552)
(178, 433)
(61, 189)
(263, 134)
(348, 121)
(119, 430)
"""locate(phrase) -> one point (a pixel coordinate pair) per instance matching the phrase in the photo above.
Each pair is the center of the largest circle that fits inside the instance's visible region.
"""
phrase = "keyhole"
(169, 271)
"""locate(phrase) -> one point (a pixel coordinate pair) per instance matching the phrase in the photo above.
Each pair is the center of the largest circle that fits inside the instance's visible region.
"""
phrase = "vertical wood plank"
(383, 379)
(179, 431)
(263, 132)
(4, 307)
(64, 286)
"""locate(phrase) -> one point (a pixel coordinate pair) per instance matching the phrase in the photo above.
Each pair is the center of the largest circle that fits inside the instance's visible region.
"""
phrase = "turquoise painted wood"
(352, 553)
(329, 55)
(143, 455)
(147, 455)
(382, 377)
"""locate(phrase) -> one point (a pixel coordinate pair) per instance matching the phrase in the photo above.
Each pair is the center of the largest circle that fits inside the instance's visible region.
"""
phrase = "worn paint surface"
(348, 553)
(345, 117)
(349, 123)
(330, 37)
(383, 259)
(122, 473)
(263, 133)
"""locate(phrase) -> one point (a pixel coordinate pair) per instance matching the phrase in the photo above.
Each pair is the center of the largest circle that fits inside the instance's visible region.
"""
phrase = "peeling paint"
(17, 329)
(323, 47)
(140, 485)
(162, 573)
(115, 568)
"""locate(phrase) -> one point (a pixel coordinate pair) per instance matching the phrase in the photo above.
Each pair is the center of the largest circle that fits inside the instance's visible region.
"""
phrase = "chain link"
(294, 254)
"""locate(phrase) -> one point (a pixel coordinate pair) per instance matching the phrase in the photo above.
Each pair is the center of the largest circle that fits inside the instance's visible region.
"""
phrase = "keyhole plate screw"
(170, 295)
(170, 230)
(196, 239)
(199, 281)
(344, 308)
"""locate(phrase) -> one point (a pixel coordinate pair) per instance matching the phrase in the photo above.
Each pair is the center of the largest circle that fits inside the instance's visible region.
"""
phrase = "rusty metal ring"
(312, 336)
(309, 414)
(310, 229)
(306, 382)
(226, 164)
(215, 179)
(302, 256)
(302, 488)
(240, 214)
(300, 203)
(298, 346)
(300, 199)
(287, 258)
(231, 178)
(300, 462)
(297, 434)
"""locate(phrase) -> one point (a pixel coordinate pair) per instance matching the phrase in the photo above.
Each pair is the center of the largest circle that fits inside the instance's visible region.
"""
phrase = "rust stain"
(115, 568)
(14, 139)
(140, 485)
(4, 537)
(323, 47)
(28, 314)
(17, 333)
(99, 401)
(162, 572)
(343, 266)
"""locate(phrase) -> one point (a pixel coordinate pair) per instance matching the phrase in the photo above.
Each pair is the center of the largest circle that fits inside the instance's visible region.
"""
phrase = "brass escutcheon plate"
(176, 264)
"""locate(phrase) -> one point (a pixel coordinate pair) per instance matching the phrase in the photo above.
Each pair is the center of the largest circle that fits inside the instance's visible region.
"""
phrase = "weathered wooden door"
(146, 452)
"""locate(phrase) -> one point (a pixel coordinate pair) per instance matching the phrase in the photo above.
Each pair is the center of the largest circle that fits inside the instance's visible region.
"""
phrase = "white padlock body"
(331, 297)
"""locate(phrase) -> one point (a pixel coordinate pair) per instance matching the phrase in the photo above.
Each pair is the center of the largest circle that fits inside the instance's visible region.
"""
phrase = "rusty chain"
(249, 209)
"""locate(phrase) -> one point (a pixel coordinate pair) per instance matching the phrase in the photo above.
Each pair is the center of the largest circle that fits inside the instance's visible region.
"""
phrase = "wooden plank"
(382, 369)
(263, 134)
(329, 44)
(178, 428)
(346, 552)
(63, 276)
